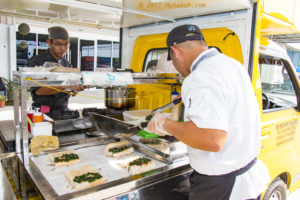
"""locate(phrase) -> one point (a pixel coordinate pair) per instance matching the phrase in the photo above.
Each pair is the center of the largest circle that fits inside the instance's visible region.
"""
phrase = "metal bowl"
(119, 97)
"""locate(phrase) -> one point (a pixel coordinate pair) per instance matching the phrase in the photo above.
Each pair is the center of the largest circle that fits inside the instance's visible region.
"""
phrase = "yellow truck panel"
(280, 109)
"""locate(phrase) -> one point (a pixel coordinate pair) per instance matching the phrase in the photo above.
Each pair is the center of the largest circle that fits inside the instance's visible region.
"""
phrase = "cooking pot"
(119, 97)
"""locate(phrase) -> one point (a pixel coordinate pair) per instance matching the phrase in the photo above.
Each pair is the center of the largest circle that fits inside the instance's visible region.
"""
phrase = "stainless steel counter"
(110, 189)
(125, 185)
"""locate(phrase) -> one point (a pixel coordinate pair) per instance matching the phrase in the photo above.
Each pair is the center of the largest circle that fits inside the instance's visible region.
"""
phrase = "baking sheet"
(108, 167)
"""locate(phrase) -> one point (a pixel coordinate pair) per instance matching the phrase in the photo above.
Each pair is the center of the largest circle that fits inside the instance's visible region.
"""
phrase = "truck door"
(280, 119)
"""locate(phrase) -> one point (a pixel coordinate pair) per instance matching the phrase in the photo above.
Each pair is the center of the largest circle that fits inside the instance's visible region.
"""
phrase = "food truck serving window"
(277, 87)
(153, 55)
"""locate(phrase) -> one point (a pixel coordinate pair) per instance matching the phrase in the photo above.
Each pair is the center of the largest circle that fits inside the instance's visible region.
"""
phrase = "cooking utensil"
(112, 127)
(166, 107)
(118, 129)
(119, 97)
(159, 110)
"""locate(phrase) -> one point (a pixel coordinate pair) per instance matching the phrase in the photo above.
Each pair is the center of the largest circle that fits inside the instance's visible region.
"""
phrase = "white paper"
(94, 156)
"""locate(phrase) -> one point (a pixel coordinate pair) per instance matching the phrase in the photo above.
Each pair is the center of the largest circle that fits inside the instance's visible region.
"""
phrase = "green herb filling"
(118, 149)
(66, 157)
(139, 161)
(88, 177)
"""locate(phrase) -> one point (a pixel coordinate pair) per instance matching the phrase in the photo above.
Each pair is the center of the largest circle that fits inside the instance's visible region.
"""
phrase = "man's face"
(58, 47)
(177, 62)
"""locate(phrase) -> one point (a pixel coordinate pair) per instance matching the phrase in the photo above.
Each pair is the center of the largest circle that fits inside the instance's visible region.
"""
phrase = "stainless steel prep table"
(178, 168)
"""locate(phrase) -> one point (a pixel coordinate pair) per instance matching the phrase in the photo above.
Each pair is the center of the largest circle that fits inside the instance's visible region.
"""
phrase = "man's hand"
(64, 69)
(75, 89)
(49, 91)
(156, 124)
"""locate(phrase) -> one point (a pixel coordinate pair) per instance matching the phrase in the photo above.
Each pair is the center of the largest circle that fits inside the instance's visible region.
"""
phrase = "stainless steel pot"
(120, 97)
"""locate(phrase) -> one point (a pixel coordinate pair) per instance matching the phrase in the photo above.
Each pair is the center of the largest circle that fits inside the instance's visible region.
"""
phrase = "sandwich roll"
(84, 177)
(118, 149)
(140, 165)
(64, 158)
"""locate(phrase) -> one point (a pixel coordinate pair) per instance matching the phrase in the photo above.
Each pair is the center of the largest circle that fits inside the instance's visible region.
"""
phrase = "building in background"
(82, 53)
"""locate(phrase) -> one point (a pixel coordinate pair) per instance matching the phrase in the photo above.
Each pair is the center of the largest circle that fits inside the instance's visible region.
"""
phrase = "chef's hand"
(75, 89)
(60, 68)
(156, 124)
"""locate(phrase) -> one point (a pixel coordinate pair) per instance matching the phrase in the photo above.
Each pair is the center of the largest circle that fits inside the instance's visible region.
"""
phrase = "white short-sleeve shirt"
(218, 95)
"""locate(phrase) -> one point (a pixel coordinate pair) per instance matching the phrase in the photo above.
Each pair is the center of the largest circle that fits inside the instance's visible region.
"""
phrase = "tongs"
(159, 110)
(113, 128)
(117, 129)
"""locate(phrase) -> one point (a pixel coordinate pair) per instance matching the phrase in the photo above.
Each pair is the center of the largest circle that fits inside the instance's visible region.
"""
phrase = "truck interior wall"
(239, 22)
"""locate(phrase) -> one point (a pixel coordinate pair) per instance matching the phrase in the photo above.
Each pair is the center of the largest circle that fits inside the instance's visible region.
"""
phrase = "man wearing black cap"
(48, 99)
(222, 120)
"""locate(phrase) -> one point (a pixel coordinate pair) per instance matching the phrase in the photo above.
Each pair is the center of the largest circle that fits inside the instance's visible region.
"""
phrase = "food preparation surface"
(108, 167)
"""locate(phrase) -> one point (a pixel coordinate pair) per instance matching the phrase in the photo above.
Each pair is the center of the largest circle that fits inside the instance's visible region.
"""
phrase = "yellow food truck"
(239, 29)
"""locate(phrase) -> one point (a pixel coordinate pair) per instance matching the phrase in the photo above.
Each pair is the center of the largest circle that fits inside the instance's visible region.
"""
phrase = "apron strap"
(243, 169)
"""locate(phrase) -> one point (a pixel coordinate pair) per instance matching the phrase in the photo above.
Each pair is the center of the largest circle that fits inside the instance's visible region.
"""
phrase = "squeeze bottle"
(30, 116)
(37, 116)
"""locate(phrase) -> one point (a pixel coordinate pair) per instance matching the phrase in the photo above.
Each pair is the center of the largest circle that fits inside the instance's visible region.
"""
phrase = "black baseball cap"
(179, 34)
(58, 32)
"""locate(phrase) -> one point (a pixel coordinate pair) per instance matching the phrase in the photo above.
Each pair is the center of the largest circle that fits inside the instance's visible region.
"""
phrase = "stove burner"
(64, 114)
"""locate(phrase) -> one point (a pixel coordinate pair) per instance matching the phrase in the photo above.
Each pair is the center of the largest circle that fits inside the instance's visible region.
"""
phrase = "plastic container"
(37, 116)
(135, 117)
(41, 128)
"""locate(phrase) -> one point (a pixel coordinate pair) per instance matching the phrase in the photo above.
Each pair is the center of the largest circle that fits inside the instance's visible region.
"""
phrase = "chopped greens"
(66, 157)
(118, 149)
(88, 177)
(139, 161)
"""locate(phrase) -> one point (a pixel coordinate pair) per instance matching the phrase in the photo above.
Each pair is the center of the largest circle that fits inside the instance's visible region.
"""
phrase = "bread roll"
(70, 176)
(52, 157)
(138, 166)
(112, 146)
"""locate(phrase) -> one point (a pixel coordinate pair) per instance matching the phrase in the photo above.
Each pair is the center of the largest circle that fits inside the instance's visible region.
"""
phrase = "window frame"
(145, 58)
(287, 66)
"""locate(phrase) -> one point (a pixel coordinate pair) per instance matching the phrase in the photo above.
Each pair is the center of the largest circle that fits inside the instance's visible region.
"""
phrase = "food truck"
(238, 28)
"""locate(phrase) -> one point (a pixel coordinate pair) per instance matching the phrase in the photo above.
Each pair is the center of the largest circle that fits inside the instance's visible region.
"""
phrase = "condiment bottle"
(30, 116)
(175, 109)
(37, 116)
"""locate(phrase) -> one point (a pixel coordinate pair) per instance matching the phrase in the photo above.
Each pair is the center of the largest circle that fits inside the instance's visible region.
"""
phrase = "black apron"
(204, 187)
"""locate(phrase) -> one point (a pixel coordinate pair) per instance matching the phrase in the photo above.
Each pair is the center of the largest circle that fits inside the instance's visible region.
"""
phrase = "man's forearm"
(48, 91)
(204, 139)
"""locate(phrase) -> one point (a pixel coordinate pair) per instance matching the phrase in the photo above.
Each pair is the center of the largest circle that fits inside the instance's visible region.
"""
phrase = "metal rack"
(22, 81)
